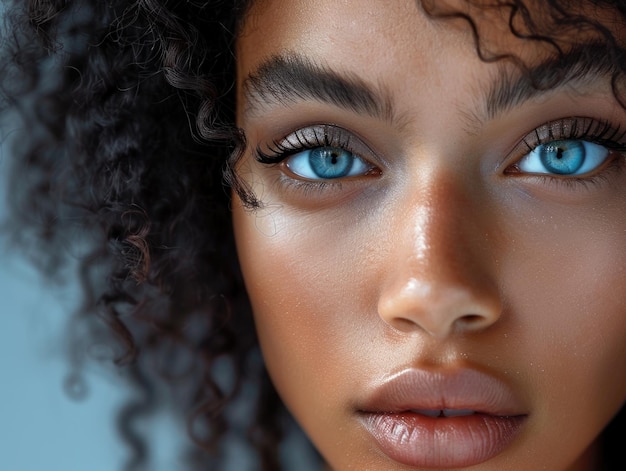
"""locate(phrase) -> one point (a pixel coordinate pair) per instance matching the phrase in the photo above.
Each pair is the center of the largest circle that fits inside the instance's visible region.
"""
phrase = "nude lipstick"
(442, 419)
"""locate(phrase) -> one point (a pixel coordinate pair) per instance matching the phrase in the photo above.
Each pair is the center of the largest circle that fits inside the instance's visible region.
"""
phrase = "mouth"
(442, 420)
(444, 412)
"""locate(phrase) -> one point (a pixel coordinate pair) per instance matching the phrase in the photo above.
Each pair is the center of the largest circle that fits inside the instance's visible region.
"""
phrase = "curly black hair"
(127, 113)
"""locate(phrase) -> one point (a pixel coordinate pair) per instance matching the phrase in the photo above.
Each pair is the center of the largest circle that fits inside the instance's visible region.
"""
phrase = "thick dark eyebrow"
(286, 79)
(587, 63)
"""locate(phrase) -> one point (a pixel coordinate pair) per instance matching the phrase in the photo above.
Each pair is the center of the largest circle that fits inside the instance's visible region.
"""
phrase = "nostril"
(471, 320)
(440, 307)
(403, 324)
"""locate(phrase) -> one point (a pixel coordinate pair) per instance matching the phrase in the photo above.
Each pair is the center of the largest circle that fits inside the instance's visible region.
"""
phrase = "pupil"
(330, 162)
(555, 150)
(563, 157)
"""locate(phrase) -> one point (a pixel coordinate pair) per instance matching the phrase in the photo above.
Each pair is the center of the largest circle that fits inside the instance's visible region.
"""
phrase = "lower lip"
(441, 442)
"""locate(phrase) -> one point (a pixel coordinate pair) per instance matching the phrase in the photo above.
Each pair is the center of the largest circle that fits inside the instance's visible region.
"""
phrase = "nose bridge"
(440, 279)
(439, 232)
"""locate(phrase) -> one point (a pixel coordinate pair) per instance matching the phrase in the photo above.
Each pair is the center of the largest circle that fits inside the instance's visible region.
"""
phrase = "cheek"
(299, 281)
(313, 307)
(315, 282)
(566, 273)
(564, 279)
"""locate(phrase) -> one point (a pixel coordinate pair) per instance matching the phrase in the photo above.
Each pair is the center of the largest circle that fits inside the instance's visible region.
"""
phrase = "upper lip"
(420, 389)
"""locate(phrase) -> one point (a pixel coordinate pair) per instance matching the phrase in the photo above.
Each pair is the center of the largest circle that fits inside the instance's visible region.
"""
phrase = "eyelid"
(596, 131)
(315, 136)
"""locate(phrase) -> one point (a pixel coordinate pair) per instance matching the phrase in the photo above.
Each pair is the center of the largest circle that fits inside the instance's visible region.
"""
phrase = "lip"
(388, 415)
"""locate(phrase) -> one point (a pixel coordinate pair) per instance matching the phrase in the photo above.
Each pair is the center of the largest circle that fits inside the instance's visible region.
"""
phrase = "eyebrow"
(287, 79)
(582, 64)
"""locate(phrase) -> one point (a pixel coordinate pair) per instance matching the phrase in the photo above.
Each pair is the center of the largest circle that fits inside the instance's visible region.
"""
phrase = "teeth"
(444, 412)
(457, 412)
(427, 412)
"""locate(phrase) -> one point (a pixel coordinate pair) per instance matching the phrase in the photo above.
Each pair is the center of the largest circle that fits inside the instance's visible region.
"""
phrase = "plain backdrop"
(41, 427)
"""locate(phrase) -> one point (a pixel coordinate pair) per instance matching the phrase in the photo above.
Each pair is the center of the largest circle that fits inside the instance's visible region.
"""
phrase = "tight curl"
(130, 114)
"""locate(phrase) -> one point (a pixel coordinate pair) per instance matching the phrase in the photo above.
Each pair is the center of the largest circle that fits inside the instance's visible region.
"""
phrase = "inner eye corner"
(512, 169)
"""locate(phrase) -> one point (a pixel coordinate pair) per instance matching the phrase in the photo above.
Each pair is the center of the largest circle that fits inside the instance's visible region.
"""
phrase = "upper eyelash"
(323, 135)
(599, 132)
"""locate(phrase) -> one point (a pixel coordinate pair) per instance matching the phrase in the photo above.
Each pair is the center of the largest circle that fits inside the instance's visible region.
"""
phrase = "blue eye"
(327, 163)
(565, 157)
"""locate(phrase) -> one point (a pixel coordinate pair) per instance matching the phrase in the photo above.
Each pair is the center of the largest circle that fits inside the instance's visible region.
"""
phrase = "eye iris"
(331, 162)
(562, 157)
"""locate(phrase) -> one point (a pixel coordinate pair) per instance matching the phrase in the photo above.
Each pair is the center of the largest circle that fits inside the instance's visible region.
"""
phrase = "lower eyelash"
(309, 188)
(615, 167)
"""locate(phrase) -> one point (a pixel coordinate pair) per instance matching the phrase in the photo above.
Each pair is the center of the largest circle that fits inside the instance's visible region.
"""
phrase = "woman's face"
(437, 270)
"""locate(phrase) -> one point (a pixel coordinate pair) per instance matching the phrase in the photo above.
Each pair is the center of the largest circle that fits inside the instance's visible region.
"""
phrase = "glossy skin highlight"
(444, 256)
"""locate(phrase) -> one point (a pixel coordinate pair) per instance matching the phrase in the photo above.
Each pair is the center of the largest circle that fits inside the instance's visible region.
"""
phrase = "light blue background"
(41, 428)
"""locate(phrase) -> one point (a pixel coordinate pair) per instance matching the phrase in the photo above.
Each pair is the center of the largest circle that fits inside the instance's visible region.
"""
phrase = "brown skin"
(445, 256)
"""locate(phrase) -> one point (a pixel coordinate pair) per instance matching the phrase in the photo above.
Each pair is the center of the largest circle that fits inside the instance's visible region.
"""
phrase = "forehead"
(334, 30)
(297, 21)
(361, 27)
(396, 48)
(383, 44)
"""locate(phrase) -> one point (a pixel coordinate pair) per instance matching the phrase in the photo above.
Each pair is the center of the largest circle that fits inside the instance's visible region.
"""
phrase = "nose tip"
(439, 274)
(439, 310)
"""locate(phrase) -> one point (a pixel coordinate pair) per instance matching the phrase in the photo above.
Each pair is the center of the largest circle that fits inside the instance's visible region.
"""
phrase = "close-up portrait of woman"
(334, 234)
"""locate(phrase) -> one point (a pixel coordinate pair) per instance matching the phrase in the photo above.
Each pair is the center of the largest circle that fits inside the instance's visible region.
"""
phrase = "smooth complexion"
(445, 271)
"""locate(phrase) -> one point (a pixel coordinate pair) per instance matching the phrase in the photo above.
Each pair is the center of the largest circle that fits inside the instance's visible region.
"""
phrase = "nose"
(439, 277)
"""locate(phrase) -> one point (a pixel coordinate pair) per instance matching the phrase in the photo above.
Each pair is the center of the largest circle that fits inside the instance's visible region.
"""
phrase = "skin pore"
(445, 248)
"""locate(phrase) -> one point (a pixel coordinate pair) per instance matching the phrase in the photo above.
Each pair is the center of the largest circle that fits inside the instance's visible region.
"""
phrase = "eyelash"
(599, 132)
(323, 135)
(307, 139)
